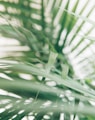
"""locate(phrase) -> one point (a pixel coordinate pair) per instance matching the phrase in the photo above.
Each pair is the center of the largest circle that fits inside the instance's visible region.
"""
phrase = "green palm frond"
(45, 72)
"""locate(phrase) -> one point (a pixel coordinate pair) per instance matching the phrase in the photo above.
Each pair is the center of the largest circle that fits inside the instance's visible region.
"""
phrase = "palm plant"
(46, 74)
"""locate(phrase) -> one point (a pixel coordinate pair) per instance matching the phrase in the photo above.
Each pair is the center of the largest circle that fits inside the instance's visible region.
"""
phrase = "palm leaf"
(39, 74)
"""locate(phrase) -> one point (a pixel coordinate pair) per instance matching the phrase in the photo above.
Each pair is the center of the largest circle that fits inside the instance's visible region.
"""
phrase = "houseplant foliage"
(41, 81)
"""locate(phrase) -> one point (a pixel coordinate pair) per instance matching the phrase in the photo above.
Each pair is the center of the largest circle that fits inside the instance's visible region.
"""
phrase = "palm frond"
(41, 71)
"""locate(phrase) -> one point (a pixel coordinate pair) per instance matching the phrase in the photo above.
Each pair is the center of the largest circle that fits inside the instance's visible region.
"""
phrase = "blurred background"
(15, 14)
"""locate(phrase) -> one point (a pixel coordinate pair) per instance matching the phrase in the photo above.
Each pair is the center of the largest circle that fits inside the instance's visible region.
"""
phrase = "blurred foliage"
(39, 80)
